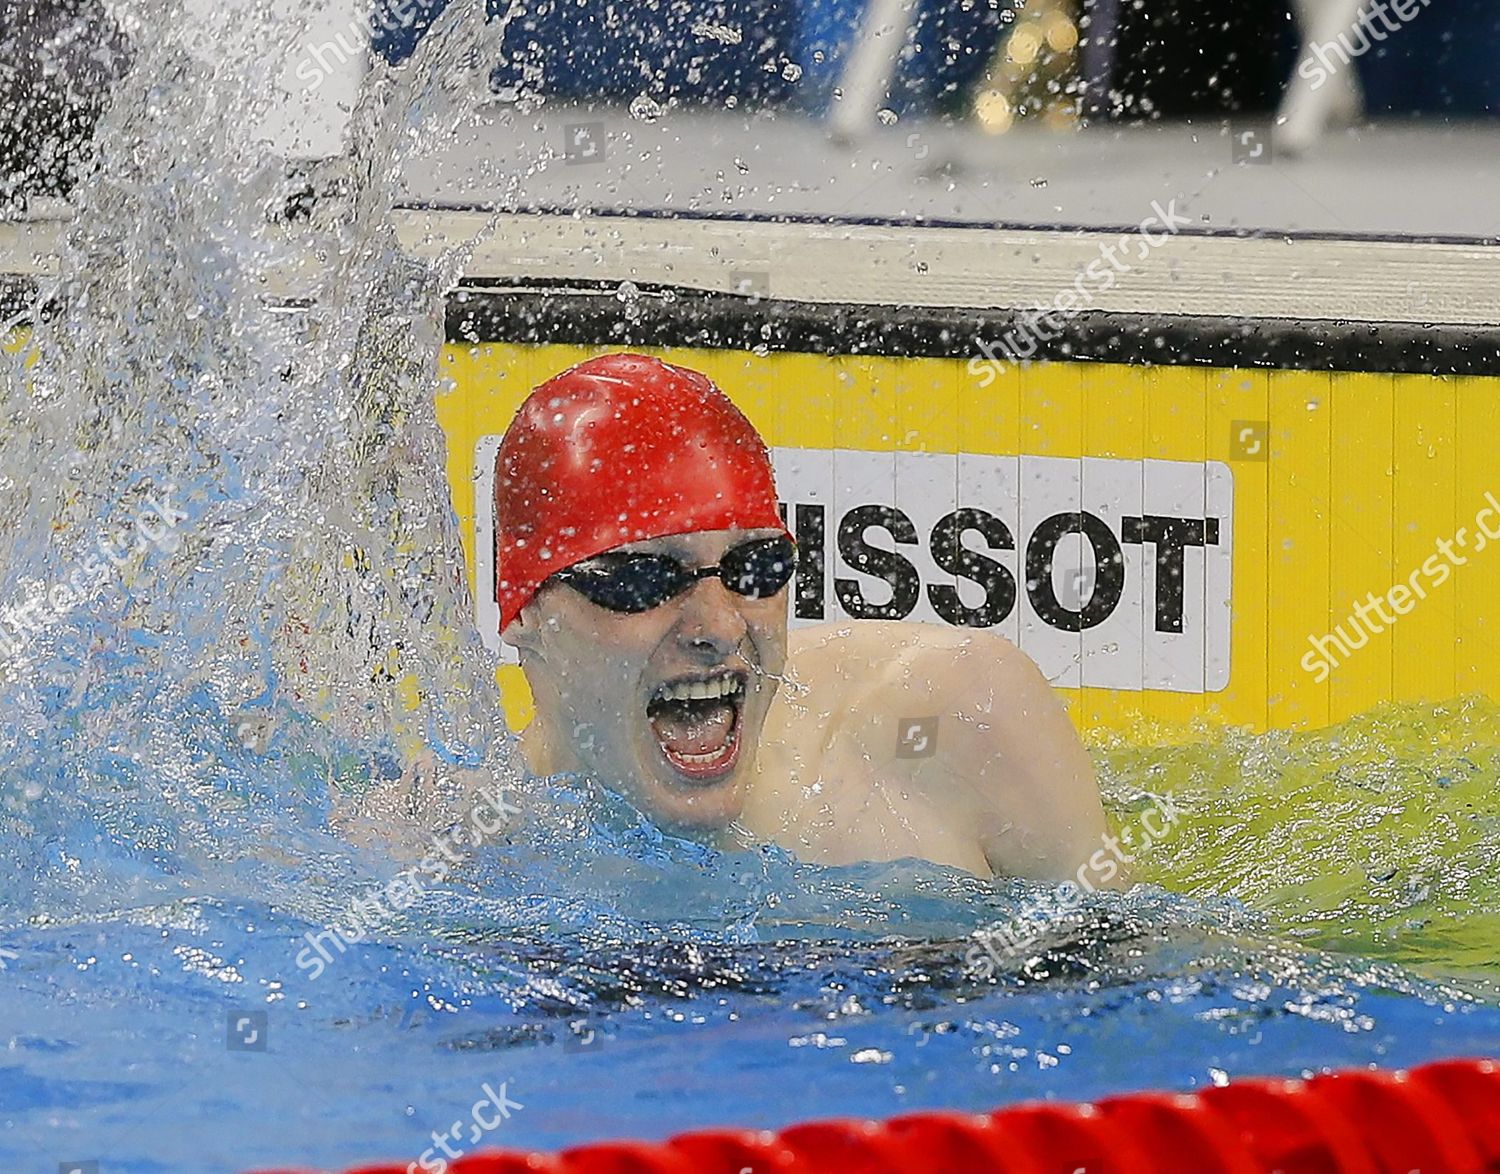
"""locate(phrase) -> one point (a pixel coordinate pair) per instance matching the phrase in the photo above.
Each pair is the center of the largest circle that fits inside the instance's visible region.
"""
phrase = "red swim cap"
(620, 449)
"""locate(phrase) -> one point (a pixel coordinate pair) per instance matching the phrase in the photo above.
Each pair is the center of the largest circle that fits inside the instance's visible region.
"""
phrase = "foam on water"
(272, 708)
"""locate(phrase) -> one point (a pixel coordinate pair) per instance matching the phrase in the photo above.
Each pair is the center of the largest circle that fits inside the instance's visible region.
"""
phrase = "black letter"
(809, 586)
(949, 552)
(882, 564)
(1171, 536)
(1109, 572)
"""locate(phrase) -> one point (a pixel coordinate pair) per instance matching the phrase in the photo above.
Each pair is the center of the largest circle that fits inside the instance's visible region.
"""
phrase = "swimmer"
(642, 574)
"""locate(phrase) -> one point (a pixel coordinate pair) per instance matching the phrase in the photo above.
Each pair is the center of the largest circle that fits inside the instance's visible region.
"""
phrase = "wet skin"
(594, 674)
(824, 762)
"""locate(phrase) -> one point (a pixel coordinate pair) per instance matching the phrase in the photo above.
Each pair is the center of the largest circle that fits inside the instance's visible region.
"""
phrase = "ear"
(521, 632)
(516, 633)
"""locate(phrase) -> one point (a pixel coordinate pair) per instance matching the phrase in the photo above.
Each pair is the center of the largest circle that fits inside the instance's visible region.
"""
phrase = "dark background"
(1167, 59)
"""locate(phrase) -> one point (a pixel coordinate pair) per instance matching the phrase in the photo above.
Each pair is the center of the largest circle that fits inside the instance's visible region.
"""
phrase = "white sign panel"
(1109, 573)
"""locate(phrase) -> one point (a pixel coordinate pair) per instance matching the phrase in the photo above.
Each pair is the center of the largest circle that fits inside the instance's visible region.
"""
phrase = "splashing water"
(301, 602)
(1379, 836)
(221, 443)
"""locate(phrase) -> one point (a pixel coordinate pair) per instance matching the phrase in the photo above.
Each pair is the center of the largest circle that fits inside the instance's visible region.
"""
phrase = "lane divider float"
(1439, 1118)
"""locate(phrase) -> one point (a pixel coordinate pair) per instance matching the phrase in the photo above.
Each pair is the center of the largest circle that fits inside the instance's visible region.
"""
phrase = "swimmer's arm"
(1021, 771)
(400, 813)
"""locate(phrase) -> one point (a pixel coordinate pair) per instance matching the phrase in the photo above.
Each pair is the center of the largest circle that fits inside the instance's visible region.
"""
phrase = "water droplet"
(645, 108)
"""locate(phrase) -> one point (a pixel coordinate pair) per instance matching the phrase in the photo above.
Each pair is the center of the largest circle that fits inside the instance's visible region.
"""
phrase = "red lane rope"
(1441, 1118)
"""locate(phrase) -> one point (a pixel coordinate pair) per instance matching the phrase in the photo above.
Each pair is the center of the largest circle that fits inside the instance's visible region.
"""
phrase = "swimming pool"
(200, 736)
(631, 987)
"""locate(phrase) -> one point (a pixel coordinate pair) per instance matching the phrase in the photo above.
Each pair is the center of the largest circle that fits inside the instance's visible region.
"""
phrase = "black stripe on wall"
(655, 316)
(535, 311)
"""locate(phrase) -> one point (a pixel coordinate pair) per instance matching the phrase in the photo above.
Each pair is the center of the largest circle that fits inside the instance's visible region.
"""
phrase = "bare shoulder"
(878, 635)
(966, 725)
(954, 666)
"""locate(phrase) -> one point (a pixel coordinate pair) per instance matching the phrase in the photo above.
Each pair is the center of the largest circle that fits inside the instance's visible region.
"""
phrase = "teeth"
(701, 759)
(721, 686)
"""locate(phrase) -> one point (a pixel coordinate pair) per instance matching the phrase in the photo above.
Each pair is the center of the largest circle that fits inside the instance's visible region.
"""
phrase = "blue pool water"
(206, 752)
(119, 1030)
(631, 986)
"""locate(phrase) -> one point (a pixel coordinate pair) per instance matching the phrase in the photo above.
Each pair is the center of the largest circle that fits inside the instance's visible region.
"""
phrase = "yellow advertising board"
(1186, 514)
(1173, 544)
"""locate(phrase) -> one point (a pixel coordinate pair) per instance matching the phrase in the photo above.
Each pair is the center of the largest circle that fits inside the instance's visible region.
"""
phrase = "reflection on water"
(1380, 836)
(202, 735)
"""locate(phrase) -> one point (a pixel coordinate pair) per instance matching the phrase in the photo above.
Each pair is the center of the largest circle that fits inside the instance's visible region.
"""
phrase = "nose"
(710, 625)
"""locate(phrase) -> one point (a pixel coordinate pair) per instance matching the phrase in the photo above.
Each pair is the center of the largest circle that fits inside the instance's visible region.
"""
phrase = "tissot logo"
(1170, 536)
(1109, 573)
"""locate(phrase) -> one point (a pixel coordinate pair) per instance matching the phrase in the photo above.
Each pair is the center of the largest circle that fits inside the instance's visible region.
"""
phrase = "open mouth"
(696, 721)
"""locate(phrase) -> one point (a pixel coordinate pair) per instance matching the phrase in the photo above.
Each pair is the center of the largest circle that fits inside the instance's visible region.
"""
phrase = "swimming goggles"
(624, 582)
